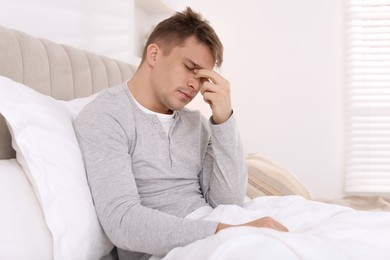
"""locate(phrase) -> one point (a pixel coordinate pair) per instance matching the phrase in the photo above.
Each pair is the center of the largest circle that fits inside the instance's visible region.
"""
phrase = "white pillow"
(23, 231)
(47, 148)
(74, 106)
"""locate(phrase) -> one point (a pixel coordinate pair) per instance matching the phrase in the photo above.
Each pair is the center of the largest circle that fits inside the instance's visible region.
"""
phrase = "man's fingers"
(208, 75)
(276, 225)
(206, 86)
(216, 92)
(268, 222)
(280, 227)
(207, 98)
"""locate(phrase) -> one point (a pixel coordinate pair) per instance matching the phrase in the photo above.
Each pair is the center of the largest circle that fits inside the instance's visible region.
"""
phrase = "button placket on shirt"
(163, 135)
(171, 145)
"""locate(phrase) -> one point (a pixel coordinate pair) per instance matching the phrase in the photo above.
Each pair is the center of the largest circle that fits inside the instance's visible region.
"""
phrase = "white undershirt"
(165, 119)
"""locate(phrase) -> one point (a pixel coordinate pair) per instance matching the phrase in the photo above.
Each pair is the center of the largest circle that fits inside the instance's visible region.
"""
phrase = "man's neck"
(142, 91)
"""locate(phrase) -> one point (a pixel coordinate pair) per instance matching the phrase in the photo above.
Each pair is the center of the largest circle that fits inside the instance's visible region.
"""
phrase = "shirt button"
(163, 135)
(154, 120)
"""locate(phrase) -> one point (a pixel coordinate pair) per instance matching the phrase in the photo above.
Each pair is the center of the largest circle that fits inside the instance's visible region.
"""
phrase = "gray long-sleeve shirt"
(144, 181)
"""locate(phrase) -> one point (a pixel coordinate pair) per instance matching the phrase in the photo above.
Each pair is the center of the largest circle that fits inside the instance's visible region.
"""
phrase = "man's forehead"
(191, 57)
(194, 63)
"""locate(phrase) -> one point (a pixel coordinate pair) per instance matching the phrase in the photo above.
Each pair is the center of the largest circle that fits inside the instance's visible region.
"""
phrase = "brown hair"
(175, 30)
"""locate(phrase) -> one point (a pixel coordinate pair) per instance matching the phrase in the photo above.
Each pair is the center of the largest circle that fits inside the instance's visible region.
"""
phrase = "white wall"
(284, 60)
(102, 26)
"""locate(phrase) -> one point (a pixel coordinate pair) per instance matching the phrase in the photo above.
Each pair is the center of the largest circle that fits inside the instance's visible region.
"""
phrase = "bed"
(47, 209)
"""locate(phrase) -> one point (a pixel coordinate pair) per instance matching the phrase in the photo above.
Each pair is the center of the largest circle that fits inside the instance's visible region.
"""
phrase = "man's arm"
(224, 173)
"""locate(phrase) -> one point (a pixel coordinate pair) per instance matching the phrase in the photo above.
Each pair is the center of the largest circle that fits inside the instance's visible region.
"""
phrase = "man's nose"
(194, 83)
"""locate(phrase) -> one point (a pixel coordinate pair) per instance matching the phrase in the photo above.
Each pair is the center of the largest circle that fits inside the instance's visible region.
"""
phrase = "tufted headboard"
(57, 70)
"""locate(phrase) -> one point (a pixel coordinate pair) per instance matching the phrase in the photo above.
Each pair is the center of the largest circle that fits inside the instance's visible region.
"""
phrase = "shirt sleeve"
(224, 173)
(127, 223)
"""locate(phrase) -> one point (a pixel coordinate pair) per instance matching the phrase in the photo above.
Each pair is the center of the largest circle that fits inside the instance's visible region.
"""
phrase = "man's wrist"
(221, 226)
(217, 121)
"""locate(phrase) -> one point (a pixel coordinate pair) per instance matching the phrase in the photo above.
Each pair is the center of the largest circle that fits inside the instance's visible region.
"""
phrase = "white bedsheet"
(317, 231)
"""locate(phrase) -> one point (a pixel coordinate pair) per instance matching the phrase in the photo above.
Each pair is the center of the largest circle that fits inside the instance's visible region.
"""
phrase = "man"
(150, 162)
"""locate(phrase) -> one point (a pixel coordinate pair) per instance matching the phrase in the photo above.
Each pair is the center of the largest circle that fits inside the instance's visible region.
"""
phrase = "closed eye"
(189, 67)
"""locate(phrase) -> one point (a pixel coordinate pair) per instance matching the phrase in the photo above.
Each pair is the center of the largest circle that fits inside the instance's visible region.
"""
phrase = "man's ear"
(152, 53)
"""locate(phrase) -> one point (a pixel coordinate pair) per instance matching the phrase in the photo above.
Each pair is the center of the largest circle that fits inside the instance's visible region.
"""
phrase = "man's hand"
(216, 92)
(265, 222)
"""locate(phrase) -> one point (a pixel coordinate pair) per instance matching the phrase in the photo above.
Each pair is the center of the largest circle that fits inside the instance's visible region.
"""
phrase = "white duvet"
(317, 231)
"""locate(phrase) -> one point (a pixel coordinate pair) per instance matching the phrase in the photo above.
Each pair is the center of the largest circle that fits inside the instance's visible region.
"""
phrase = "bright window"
(367, 96)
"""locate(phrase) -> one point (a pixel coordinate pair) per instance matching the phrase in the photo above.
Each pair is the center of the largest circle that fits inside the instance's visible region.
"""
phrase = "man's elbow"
(233, 198)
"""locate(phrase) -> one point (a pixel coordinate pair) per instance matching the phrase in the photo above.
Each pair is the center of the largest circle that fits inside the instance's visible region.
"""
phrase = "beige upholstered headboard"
(60, 71)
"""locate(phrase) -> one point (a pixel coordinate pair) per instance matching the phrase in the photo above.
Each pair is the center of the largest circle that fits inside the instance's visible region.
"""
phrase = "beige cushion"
(266, 177)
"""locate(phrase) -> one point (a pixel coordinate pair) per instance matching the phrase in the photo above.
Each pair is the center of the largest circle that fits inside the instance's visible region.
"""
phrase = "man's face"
(173, 78)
